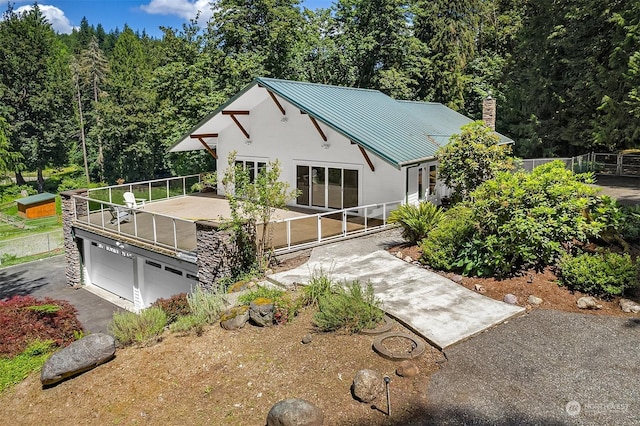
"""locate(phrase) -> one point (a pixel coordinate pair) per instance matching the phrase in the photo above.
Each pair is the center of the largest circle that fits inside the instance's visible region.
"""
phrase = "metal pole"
(386, 382)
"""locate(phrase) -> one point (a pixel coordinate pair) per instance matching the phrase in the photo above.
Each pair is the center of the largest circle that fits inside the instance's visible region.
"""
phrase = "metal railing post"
(155, 235)
(175, 235)
(319, 228)
(288, 222)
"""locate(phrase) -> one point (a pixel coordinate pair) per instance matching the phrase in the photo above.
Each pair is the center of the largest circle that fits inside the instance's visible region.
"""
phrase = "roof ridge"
(362, 89)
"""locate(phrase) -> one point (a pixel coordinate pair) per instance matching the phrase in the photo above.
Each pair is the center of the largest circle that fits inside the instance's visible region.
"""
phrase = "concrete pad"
(435, 307)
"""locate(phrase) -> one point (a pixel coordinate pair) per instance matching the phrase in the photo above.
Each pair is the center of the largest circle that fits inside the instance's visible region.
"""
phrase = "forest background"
(565, 74)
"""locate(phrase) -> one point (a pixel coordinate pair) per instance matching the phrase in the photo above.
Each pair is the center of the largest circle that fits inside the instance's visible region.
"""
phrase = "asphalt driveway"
(45, 278)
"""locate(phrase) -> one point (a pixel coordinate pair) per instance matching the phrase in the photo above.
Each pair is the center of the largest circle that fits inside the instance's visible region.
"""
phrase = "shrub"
(441, 247)
(129, 327)
(14, 370)
(175, 307)
(608, 274)
(524, 219)
(319, 285)
(24, 319)
(630, 224)
(350, 309)
(416, 220)
(206, 304)
(188, 323)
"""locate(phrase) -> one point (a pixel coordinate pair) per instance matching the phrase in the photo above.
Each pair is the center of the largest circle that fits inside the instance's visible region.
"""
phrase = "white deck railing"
(156, 229)
(320, 228)
(149, 190)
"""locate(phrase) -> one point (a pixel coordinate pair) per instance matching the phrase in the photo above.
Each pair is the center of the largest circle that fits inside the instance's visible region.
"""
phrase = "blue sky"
(140, 15)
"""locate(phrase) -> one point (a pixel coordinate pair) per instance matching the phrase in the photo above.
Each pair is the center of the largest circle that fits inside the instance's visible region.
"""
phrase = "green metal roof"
(399, 132)
(35, 199)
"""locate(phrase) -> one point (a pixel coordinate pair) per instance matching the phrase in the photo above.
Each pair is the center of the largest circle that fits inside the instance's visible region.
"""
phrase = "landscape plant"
(129, 328)
(188, 323)
(175, 306)
(25, 319)
(320, 285)
(600, 274)
(285, 307)
(441, 246)
(527, 219)
(207, 304)
(416, 220)
(15, 369)
(350, 309)
(471, 158)
(253, 201)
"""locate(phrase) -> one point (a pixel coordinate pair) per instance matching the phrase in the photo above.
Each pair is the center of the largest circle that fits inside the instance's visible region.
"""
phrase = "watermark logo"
(573, 408)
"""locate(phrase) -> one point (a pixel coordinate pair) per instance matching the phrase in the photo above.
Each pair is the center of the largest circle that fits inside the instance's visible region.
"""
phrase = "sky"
(140, 15)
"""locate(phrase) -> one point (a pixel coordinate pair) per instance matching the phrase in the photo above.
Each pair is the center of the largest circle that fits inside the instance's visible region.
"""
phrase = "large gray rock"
(588, 302)
(234, 318)
(261, 312)
(510, 299)
(367, 385)
(78, 357)
(629, 306)
(295, 412)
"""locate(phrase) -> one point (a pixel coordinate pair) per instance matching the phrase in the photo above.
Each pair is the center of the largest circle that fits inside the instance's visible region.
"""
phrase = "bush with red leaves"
(176, 306)
(24, 319)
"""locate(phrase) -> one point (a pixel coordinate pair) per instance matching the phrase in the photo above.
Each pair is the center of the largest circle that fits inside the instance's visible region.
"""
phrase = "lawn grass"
(16, 369)
(12, 261)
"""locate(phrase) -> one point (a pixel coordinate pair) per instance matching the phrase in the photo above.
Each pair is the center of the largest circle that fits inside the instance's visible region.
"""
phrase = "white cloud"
(55, 17)
(184, 8)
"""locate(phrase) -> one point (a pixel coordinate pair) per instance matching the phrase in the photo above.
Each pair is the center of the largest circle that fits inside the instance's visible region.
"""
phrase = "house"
(353, 154)
(340, 147)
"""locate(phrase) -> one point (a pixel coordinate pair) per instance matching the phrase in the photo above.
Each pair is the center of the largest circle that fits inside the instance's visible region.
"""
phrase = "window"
(253, 167)
(327, 187)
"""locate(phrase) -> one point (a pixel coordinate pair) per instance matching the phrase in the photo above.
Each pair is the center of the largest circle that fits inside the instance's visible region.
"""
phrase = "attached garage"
(133, 273)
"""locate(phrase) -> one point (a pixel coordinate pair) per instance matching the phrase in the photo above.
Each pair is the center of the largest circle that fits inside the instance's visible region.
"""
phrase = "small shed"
(37, 206)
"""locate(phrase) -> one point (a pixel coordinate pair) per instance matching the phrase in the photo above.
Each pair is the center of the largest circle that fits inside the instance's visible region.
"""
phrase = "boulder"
(510, 299)
(533, 300)
(588, 302)
(307, 338)
(629, 306)
(367, 385)
(295, 412)
(80, 356)
(261, 312)
(407, 369)
(234, 318)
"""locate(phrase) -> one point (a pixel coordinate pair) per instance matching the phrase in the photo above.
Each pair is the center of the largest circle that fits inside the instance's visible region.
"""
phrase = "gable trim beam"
(277, 102)
(366, 156)
(203, 135)
(208, 148)
(317, 126)
(235, 120)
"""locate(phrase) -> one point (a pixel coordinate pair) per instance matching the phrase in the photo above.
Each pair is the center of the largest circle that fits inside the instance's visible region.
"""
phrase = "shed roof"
(399, 132)
(35, 199)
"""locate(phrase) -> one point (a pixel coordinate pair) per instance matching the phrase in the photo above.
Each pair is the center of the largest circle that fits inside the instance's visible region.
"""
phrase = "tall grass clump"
(319, 285)
(206, 304)
(349, 309)
(129, 328)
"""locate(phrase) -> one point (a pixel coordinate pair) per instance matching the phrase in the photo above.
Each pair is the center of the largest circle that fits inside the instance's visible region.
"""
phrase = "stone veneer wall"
(218, 254)
(73, 270)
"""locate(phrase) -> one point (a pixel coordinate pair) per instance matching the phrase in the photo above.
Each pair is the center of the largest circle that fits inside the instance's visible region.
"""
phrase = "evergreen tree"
(36, 91)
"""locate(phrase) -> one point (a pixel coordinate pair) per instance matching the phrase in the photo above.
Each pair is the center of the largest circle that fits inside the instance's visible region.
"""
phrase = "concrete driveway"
(45, 278)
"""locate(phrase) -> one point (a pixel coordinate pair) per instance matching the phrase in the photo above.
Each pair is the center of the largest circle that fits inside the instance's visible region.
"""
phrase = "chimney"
(489, 112)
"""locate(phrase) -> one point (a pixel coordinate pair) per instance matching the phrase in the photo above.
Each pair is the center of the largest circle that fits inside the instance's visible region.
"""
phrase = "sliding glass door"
(326, 187)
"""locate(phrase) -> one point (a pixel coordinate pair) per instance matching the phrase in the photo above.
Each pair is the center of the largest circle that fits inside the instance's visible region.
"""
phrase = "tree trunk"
(20, 179)
(40, 181)
(82, 137)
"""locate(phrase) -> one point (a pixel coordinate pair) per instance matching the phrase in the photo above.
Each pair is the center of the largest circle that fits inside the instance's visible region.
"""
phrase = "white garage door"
(112, 269)
(163, 281)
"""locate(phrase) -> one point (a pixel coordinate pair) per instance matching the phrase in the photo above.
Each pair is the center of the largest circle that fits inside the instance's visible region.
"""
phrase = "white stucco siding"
(295, 141)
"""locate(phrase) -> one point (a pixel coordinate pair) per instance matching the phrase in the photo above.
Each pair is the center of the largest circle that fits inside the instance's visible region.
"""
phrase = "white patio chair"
(132, 202)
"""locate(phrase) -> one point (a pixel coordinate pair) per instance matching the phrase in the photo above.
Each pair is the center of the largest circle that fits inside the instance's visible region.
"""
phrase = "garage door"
(112, 269)
(163, 281)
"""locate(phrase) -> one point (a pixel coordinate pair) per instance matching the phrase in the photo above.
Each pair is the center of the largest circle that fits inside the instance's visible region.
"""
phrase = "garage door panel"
(111, 271)
(163, 281)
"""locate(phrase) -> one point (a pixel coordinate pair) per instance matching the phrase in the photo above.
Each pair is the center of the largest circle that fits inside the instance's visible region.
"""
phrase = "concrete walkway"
(435, 307)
